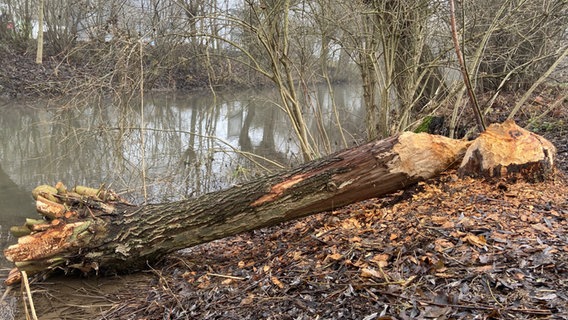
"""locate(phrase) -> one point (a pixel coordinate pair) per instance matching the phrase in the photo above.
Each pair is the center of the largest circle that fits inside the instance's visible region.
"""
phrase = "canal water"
(165, 147)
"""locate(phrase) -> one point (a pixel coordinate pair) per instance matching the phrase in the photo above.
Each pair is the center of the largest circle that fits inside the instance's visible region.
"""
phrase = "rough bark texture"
(95, 230)
(356, 174)
(124, 237)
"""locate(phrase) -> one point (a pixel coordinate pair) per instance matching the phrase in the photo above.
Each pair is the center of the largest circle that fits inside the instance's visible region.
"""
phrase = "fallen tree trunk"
(95, 230)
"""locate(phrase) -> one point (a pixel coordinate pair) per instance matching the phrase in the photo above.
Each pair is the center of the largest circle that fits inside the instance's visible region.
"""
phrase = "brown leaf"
(355, 239)
(478, 241)
(297, 255)
(541, 227)
(248, 300)
(335, 256)
(277, 282)
(370, 273)
(482, 269)
(351, 223)
(441, 245)
(435, 312)
(448, 225)
(381, 260)
(439, 220)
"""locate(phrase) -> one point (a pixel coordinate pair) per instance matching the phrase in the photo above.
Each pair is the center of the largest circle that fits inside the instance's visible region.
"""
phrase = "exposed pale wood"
(509, 151)
(106, 233)
(127, 237)
(50, 209)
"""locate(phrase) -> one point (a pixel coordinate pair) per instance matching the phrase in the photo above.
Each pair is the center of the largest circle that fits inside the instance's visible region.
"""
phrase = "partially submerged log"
(93, 229)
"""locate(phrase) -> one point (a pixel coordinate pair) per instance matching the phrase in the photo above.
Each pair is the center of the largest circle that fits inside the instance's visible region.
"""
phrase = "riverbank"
(98, 70)
(21, 76)
(447, 248)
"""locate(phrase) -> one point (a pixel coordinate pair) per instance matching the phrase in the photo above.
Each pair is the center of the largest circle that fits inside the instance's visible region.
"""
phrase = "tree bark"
(96, 230)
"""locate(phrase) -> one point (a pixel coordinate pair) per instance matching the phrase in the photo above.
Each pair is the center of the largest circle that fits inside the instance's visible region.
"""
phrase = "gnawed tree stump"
(94, 230)
(509, 152)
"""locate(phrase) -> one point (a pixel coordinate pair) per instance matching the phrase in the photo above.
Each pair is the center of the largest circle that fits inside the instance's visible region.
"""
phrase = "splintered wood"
(92, 229)
(509, 151)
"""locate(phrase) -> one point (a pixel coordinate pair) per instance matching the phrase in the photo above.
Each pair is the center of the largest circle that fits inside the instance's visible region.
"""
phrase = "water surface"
(168, 147)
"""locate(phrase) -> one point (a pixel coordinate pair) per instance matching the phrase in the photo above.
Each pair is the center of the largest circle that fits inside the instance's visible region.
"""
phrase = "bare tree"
(519, 39)
(402, 50)
(508, 46)
(400, 73)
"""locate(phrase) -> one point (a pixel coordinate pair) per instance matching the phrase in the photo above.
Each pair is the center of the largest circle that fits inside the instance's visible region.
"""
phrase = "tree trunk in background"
(415, 73)
(96, 231)
(39, 54)
(375, 115)
(369, 83)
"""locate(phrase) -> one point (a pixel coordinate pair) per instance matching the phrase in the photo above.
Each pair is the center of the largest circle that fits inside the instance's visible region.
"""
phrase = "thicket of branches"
(399, 50)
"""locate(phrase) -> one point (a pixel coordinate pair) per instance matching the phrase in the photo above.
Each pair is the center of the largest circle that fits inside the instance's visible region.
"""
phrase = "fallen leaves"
(450, 248)
(277, 282)
(381, 260)
(370, 273)
(478, 241)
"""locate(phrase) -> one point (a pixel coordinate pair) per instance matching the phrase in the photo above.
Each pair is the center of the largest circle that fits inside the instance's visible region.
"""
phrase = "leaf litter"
(447, 248)
(444, 249)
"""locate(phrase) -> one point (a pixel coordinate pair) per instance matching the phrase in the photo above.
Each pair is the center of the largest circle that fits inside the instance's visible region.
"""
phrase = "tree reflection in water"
(192, 144)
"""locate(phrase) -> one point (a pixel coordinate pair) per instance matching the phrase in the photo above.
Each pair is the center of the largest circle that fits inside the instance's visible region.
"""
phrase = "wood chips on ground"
(445, 249)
